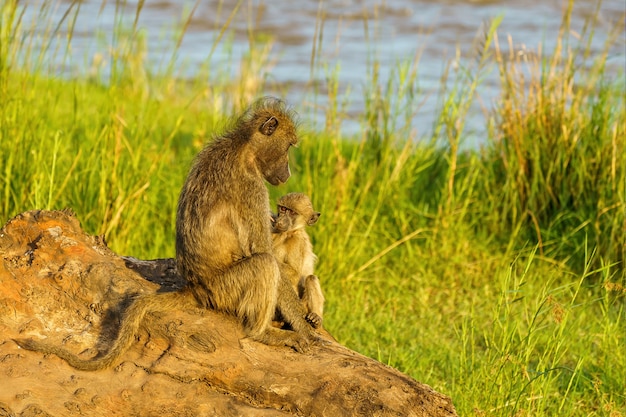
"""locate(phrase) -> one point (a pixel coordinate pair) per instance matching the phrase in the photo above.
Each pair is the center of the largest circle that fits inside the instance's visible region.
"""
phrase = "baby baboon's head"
(295, 211)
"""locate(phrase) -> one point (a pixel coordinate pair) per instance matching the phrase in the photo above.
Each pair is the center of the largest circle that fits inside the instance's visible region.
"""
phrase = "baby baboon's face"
(283, 220)
(295, 211)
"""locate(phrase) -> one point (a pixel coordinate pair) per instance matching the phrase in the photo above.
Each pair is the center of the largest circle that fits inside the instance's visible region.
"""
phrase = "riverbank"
(495, 275)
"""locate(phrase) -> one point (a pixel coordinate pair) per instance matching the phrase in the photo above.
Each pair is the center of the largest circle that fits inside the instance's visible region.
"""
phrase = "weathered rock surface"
(58, 283)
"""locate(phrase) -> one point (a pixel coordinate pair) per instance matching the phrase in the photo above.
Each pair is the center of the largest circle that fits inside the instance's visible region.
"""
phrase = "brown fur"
(294, 252)
(223, 237)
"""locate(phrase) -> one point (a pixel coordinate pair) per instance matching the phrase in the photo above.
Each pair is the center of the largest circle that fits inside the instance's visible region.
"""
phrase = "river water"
(345, 36)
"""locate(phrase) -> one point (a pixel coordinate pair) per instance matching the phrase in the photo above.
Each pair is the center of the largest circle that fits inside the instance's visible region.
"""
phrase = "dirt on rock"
(59, 284)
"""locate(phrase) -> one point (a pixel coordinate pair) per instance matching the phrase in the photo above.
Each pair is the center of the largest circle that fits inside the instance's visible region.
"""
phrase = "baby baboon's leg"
(292, 309)
(311, 295)
(249, 289)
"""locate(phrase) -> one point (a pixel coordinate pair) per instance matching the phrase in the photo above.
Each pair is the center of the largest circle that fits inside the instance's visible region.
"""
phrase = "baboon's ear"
(313, 219)
(269, 126)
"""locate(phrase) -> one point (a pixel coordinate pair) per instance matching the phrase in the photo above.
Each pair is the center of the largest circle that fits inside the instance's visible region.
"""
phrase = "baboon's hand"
(314, 320)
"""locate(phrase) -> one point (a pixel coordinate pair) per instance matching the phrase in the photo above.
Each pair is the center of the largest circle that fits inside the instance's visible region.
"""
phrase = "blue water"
(354, 34)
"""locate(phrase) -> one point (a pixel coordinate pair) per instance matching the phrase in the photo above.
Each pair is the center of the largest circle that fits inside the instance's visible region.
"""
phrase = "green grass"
(496, 275)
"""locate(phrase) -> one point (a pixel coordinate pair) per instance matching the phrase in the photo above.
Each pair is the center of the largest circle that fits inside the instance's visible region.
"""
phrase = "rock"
(58, 283)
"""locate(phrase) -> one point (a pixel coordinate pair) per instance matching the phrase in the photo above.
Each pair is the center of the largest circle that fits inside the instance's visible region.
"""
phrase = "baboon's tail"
(133, 317)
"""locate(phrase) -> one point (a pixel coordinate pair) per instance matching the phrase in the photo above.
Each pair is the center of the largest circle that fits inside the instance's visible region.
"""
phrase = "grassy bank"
(495, 275)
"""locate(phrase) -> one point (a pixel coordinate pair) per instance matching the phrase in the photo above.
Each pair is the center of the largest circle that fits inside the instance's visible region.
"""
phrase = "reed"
(557, 155)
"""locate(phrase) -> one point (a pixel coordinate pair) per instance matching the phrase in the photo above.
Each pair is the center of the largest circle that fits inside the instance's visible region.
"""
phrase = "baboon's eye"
(286, 210)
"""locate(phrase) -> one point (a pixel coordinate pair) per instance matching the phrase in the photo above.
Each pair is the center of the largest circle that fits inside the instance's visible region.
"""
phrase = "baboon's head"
(295, 211)
(273, 133)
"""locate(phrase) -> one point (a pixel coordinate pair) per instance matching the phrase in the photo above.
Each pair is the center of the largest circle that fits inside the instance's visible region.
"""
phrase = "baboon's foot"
(300, 344)
(298, 341)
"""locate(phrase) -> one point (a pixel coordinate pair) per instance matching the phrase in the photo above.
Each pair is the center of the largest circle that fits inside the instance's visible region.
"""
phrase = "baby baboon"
(294, 252)
(223, 236)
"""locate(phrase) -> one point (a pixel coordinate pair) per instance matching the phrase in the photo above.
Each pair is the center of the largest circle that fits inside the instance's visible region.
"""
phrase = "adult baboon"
(294, 252)
(223, 238)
